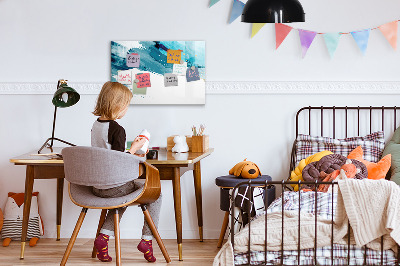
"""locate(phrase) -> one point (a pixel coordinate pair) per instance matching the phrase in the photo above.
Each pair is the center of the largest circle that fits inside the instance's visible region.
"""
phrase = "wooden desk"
(171, 167)
(40, 167)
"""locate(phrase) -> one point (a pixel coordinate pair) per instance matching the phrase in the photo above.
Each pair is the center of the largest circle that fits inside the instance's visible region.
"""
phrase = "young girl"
(112, 104)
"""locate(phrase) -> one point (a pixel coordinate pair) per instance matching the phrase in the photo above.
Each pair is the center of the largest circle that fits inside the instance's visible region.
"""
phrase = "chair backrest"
(92, 166)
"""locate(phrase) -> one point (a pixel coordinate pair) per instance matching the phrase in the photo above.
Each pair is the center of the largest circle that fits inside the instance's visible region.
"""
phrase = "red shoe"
(146, 247)
(101, 245)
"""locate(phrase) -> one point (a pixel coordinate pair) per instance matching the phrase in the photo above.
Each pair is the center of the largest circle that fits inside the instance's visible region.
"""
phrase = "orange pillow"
(375, 170)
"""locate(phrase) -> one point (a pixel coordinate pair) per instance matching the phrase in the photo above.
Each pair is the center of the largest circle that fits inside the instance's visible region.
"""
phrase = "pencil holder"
(200, 143)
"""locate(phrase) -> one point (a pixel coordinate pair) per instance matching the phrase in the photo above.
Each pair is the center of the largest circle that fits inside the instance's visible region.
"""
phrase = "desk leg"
(197, 189)
(60, 190)
(27, 206)
(176, 182)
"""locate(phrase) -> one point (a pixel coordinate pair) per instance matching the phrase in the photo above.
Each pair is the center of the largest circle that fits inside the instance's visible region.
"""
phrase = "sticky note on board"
(192, 74)
(132, 60)
(143, 80)
(174, 56)
(180, 69)
(170, 80)
(124, 77)
(139, 91)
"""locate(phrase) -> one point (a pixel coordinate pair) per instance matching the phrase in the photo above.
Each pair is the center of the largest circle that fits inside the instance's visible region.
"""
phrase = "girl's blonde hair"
(112, 99)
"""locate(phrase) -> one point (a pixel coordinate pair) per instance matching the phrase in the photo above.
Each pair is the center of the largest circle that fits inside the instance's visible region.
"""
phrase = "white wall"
(42, 41)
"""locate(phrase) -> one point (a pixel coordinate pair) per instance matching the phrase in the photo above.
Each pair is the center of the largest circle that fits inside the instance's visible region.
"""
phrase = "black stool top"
(230, 181)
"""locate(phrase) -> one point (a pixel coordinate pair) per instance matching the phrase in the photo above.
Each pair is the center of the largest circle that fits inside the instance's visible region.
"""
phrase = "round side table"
(228, 182)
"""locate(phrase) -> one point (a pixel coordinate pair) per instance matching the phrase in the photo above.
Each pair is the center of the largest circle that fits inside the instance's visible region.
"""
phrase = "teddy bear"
(13, 215)
(180, 144)
(245, 169)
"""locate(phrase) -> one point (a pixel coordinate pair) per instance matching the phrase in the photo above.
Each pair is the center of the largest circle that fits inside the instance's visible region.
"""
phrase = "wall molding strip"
(232, 87)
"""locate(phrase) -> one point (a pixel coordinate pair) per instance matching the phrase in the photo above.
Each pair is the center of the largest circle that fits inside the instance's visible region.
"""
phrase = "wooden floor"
(50, 252)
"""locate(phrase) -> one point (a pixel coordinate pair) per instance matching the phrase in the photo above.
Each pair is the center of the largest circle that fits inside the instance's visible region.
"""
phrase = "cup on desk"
(152, 155)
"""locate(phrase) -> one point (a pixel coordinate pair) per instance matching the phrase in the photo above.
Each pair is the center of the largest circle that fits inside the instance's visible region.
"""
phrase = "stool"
(226, 183)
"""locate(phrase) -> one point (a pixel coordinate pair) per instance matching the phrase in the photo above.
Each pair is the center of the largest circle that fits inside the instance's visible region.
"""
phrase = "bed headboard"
(344, 121)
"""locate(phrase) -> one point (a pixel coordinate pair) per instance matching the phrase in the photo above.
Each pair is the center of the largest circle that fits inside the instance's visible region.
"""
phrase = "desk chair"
(85, 167)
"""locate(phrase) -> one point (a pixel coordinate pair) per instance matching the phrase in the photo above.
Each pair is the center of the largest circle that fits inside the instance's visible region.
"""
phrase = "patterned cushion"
(372, 144)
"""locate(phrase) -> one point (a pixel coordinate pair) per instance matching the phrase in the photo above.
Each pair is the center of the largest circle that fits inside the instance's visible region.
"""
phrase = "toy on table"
(180, 144)
(144, 134)
(245, 169)
(13, 215)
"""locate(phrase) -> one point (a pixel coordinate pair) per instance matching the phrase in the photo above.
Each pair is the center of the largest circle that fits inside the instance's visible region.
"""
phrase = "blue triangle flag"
(237, 9)
(332, 41)
(361, 37)
(213, 2)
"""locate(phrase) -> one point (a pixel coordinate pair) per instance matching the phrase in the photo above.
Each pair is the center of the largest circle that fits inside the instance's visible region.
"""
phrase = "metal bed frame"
(283, 184)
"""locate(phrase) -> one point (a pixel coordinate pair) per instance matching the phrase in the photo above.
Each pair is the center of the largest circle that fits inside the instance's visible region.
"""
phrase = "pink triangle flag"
(389, 30)
(306, 39)
(281, 31)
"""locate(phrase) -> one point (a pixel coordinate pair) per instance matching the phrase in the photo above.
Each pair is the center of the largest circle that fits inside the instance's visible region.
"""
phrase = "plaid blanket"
(323, 205)
(340, 254)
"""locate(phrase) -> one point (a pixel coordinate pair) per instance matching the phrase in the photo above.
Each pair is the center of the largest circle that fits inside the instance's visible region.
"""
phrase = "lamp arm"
(54, 119)
(54, 126)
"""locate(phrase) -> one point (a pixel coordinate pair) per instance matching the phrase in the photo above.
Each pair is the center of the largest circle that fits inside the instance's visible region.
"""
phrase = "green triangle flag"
(332, 41)
(256, 27)
(213, 2)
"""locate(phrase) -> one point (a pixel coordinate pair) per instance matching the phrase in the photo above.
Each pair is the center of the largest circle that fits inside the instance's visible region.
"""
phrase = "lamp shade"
(65, 96)
(273, 11)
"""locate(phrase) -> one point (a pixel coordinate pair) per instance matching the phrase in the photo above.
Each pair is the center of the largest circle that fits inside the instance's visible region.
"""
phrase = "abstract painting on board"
(160, 72)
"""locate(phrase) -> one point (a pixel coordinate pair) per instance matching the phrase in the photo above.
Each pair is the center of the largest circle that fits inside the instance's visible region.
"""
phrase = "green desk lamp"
(65, 96)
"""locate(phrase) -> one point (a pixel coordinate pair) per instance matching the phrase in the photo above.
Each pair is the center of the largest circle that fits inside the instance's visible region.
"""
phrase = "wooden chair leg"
(117, 238)
(154, 230)
(73, 237)
(223, 229)
(101, 222)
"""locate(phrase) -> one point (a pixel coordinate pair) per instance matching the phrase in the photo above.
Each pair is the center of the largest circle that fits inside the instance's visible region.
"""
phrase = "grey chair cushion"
(99, 167)
(83, 196)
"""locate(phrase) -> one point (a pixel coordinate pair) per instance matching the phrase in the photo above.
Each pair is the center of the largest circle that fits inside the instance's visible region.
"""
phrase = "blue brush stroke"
(153, 56)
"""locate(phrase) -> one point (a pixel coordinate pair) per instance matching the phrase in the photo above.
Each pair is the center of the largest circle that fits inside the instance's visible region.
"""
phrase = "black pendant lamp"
(273, 11)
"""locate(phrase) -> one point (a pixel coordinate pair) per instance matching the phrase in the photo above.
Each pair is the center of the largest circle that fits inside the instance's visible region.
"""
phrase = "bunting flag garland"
(389, 30)
(237, 9)
(306, 39)
(256, 27)
(332, 41)
(213, 2)
(361, 37)
(281, 31)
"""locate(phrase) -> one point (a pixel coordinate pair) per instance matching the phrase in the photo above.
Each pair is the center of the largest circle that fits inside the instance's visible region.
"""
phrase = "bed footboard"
(311, 259)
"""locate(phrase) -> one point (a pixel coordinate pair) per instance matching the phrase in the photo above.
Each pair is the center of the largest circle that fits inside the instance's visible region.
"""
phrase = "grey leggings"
(154, 208)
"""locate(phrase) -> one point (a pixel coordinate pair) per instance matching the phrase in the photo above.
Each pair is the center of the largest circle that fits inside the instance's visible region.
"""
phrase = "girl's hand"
(137, 144)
